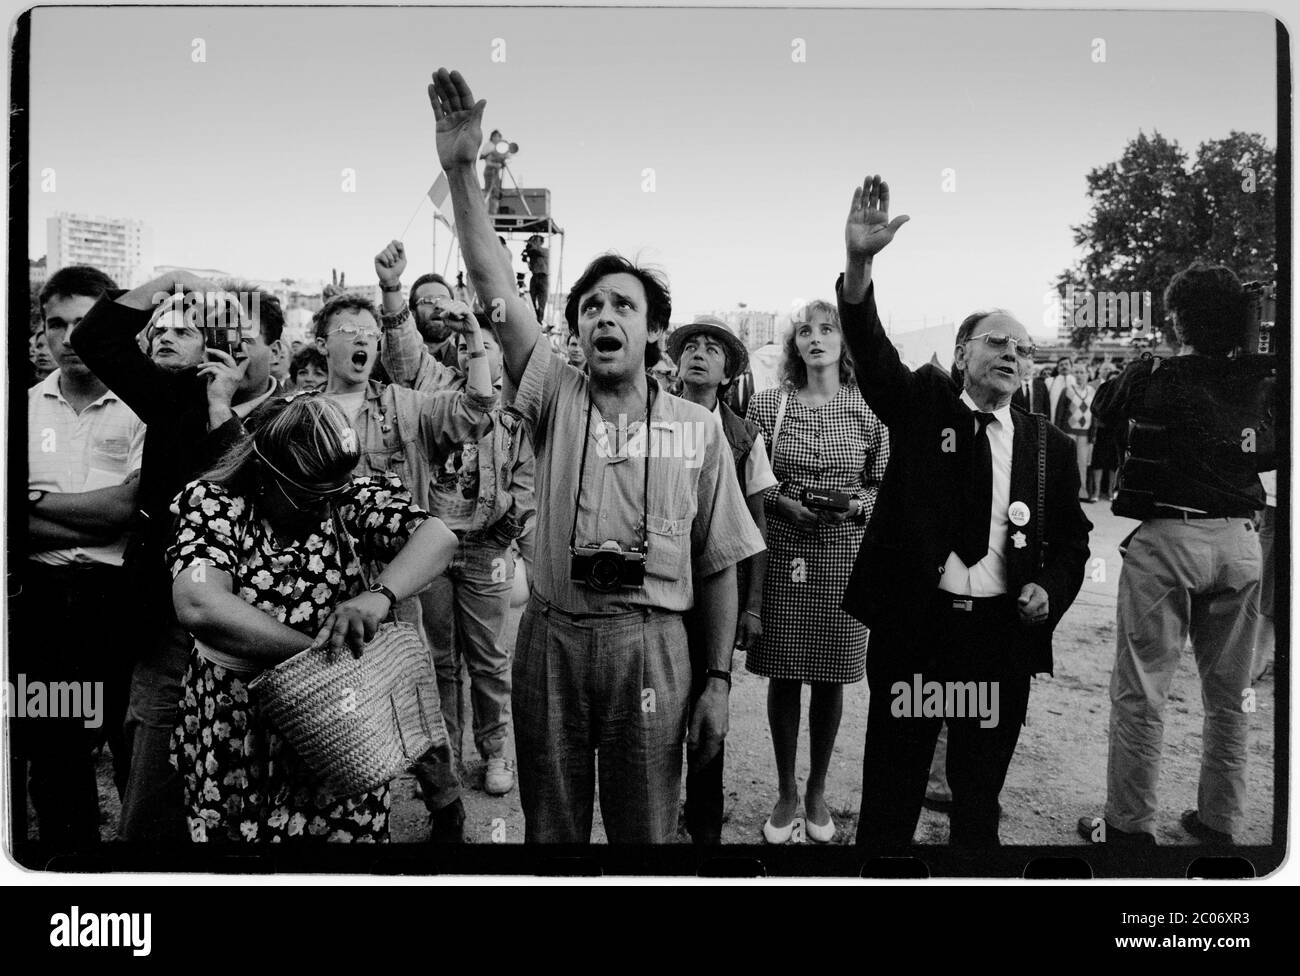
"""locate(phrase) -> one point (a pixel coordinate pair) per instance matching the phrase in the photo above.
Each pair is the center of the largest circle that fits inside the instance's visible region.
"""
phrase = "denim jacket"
(406, 433)
(505, 491)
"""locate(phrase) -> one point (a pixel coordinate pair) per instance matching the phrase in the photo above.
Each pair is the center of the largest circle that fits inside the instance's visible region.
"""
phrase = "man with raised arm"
(963, 573)
(638, 518)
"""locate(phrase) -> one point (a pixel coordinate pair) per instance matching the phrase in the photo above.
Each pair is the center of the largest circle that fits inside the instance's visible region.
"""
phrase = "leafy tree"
(1153, 214)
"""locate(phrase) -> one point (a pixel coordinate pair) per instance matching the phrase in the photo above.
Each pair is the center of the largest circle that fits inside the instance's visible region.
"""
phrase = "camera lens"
(604, 573)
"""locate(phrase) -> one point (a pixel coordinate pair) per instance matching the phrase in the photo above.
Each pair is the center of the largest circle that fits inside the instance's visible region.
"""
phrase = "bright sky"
(236, 163)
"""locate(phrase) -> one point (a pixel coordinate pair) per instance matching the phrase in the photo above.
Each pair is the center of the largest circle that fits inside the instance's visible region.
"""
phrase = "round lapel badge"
(1018, 513)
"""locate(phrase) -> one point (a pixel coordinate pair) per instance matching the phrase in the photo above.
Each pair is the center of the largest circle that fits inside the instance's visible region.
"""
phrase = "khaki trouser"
(1181, 579)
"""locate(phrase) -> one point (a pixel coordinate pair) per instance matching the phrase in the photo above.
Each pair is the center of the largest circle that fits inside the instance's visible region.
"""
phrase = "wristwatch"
(382, 589)
(395, 286)
(719, 673)
(35, 495)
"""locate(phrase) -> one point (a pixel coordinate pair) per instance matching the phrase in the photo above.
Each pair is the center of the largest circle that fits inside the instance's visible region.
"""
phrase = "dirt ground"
(1057, 776)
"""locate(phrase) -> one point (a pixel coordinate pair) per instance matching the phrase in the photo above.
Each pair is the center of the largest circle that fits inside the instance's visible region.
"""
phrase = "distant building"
(753, 328)
(119, 247)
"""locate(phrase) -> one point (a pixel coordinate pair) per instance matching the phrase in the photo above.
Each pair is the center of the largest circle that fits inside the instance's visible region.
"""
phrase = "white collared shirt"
(988, 577)
(77, 452)
(242, 410)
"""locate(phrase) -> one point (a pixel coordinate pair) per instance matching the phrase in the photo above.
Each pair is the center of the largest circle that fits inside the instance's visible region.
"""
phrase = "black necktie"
(974, 544)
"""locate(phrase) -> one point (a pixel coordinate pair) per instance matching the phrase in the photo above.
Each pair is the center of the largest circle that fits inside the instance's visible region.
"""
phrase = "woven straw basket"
(357, 722)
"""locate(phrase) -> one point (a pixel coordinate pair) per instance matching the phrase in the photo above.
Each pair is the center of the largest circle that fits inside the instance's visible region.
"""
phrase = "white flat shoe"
(821, 833)
(780, 835)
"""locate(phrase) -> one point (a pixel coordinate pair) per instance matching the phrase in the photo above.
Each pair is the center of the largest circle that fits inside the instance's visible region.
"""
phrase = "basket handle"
(340, 530)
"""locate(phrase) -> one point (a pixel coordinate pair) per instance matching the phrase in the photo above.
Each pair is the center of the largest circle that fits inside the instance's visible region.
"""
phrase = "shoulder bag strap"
(776, 428)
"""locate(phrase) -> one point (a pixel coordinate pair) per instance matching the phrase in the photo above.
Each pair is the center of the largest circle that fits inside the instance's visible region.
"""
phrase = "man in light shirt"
(84, 447)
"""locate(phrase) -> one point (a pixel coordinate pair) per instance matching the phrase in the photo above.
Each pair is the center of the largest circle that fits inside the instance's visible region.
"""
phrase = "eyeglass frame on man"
(349, 330)
(999, 339)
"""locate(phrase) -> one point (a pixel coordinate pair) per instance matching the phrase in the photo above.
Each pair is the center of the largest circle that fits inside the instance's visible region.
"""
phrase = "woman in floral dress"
(267, 561)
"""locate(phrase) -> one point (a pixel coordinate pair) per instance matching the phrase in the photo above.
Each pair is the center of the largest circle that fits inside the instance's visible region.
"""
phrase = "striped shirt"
(71, 452)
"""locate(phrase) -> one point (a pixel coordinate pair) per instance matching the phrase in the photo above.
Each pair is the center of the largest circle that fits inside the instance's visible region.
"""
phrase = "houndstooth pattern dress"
(840, 445)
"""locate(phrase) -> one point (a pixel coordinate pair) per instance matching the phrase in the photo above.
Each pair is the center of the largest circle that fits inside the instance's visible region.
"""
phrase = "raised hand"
(458, 316)
(460, 120)
(390, 263)
(868, 228)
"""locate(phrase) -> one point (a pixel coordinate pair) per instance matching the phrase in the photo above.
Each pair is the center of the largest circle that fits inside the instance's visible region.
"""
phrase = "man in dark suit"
(1032, 395)
(963, 575)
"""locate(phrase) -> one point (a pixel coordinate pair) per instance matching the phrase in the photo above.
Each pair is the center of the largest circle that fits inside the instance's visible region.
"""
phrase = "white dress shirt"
(79, 452)
(988, 577)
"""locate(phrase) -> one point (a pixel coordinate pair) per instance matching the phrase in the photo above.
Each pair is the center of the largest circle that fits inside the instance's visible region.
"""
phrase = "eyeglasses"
(998, 340)
(313, 496)
(355, 330)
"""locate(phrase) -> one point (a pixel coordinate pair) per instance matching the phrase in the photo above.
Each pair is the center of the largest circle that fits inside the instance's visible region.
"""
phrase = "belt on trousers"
(597, 618)
(976, 606)
(1189, 516)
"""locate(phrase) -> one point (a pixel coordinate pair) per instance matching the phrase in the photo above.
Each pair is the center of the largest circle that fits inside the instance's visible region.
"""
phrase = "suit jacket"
(177, 444)
(914, 525)
(1038, 391)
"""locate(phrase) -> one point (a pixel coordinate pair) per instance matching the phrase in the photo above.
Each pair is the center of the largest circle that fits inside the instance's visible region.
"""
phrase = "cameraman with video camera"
(1196, 431)
(193, 415)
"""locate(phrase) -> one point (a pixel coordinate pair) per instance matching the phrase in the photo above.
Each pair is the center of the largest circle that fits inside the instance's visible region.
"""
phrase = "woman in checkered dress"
(828, 438)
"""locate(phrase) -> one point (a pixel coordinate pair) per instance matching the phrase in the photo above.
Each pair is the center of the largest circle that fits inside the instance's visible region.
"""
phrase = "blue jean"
(615, 686)
(464, 617)
(153, 809)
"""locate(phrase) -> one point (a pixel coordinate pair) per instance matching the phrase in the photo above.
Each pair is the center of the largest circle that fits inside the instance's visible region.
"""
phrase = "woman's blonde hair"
(306, 436)
(793, 371)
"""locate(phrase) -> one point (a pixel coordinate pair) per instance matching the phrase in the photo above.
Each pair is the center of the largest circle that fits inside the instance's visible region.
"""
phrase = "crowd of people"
(202, 510)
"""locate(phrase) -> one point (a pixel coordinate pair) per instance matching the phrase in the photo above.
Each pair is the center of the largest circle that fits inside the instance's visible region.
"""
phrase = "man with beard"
(193, 413)
(435, 366)
(483, 493)
(409, 434)
(639, 518)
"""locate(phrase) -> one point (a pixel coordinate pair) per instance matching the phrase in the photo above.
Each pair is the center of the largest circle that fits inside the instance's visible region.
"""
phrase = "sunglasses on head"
(312, 496)
(999, 340)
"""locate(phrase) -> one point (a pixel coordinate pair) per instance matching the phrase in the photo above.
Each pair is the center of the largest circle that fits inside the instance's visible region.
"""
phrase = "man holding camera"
(639, 516)
(1197, 431)
(192, 415)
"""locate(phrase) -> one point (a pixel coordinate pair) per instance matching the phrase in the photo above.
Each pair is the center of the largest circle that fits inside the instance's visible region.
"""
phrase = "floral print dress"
(243, 781)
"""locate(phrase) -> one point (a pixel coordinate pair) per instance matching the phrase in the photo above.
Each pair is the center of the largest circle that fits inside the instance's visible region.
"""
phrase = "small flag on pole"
(438, 194)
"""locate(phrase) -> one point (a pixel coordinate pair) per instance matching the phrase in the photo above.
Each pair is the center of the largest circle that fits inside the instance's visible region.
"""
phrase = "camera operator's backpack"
(1203, 415)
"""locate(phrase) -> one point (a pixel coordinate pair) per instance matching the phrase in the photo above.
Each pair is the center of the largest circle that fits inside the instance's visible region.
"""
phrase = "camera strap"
(582, 468)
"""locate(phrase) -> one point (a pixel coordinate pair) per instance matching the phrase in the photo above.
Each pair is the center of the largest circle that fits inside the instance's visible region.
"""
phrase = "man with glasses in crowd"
(409, 434)
(963, 575)
(436, 365)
